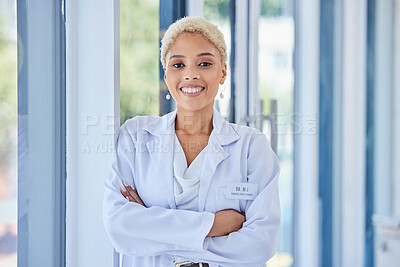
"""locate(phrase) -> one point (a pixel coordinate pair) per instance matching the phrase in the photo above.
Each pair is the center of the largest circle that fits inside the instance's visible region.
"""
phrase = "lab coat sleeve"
(139, 231)
(256, 241)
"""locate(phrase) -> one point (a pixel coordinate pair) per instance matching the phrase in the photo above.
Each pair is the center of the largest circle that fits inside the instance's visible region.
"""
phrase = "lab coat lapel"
(222, 135)
(161, 149)
(215, 154)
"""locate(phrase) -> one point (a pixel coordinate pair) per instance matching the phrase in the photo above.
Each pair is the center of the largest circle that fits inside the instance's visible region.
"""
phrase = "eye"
(178, 65)
(204, 64)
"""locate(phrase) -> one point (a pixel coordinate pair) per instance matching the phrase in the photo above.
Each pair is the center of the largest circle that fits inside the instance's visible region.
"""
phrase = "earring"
(221, 95)
(168, 96)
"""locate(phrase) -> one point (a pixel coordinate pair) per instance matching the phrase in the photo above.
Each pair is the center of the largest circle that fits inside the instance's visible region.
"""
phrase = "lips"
(192, 90)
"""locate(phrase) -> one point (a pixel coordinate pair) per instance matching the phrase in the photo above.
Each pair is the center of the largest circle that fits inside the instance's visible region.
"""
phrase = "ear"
(224, 73)
(165, 76)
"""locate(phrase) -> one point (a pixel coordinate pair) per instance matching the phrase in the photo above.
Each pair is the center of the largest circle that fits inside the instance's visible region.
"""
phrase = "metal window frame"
(41, 133)
(353, 135)
(325, 145)
(240, 71)
(396, 110)
(381, 138)
(253, 107)
(232, 59)
(337, 136)
(305, 163)
(383, 109)
(370, 144)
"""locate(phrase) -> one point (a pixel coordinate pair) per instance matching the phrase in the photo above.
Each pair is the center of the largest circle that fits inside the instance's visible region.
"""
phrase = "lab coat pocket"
(224, 203)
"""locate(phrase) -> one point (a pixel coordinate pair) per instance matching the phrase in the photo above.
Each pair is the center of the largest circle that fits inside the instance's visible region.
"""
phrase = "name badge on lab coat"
(241, 190)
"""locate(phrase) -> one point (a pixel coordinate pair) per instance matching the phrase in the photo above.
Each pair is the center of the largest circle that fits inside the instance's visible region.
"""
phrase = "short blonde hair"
(193, 24)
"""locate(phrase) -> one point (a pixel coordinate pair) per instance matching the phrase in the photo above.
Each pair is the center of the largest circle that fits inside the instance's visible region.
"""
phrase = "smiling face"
(194, 71)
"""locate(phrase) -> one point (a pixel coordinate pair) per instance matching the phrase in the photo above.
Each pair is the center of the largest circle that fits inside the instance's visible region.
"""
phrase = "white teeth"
(191, 89)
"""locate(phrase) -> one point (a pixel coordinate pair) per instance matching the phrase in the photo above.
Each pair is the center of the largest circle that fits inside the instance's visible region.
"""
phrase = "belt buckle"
(182, 264)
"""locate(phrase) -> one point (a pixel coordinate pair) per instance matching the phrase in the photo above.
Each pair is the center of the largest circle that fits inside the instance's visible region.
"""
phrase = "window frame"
(306, 101)
(396, 106)
(41, 133)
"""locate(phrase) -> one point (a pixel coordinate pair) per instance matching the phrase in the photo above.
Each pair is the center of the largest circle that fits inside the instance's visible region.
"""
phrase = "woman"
(189, 188)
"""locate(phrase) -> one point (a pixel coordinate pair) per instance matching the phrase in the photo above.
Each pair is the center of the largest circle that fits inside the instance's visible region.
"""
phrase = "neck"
(194, 122)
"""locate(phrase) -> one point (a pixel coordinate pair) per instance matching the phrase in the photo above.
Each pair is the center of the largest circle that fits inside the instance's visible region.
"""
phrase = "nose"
(191, 73)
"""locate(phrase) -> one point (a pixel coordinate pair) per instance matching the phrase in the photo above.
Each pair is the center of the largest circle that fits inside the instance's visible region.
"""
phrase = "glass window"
(139, 56)
(217, 11)
(276, 81)
(8, 134)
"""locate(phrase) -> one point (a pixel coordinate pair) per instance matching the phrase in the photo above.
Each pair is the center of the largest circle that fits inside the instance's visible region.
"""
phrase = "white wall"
(92, 103)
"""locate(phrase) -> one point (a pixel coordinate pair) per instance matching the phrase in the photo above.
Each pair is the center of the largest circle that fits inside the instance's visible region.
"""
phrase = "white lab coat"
(158, 233)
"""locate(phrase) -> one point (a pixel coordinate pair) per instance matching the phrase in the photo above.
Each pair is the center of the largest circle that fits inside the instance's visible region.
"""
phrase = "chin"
(192, 107)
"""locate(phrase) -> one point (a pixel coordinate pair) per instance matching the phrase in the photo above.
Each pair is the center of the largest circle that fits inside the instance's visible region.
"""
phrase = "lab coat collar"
(223, 130)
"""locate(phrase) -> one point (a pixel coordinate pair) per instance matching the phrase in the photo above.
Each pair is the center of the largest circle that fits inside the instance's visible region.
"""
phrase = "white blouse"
(186, 180)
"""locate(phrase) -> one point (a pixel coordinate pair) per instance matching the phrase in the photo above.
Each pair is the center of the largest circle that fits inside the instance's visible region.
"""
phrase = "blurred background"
(8, 134)
(319, 78)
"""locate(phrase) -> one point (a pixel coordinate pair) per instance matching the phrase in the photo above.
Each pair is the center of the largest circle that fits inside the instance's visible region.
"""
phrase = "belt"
(191, 264)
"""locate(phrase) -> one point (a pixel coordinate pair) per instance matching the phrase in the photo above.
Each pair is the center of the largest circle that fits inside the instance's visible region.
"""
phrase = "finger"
(124, 193)
(137, 198)
(127, 196)
(125, 186)
(135, 195)
(131, 199)
(131, 194)
(129, 190)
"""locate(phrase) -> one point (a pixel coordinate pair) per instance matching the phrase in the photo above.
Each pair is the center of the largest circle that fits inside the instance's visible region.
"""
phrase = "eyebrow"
(199, 55)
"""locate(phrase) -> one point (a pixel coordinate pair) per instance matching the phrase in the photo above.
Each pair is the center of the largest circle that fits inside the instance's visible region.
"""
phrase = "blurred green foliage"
(216, 10)
(139, 56)
(8, 95)
(272, 8)
(219, 9)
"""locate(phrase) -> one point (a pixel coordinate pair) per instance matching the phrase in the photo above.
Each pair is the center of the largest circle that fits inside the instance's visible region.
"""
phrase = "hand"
(131, 194)
(226, 222)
